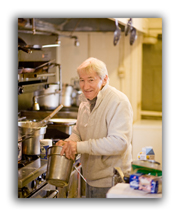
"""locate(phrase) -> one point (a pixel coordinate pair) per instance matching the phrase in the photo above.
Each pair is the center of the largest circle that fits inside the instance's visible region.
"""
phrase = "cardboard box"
(148, 183)
(147, 153)
(134, 180)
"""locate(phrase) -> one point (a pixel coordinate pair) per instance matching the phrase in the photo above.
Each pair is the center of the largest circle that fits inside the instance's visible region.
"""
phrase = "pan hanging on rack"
(31, 70)
(29, 48)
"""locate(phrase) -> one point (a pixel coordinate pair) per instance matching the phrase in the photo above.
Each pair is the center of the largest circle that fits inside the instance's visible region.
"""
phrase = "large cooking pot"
(19, 145)
(51, 101)
(58, 167)
(31, 146)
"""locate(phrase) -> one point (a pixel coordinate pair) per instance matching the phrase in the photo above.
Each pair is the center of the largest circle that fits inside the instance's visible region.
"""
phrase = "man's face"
(90, 83)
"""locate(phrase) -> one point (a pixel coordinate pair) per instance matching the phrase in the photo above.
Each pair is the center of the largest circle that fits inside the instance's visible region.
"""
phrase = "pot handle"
(53, 194)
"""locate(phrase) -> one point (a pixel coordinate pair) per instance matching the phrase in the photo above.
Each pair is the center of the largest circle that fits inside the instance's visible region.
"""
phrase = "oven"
(32, 179)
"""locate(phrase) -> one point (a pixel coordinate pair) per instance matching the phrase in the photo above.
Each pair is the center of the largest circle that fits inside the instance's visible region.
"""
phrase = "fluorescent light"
(50, 45)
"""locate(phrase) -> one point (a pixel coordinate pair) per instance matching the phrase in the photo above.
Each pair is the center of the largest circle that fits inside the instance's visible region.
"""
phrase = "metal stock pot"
(58, 167)
(31, 146)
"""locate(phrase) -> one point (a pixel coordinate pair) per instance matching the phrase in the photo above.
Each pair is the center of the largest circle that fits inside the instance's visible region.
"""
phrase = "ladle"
(133, 36)
(128, 27)
(117, 33)
(45, 120)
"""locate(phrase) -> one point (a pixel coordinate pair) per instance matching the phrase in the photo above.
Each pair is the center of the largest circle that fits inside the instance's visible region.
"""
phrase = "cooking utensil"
(31, 70)
(49, 101)
(27, 48)
(19, 146)
(33, 135)
(58, 167)
(44, 121)
(117, 33)
(31, 145)
(133, 36)
(128, 27)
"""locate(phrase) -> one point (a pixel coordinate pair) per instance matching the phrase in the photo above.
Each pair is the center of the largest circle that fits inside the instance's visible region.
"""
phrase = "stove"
(32, 179)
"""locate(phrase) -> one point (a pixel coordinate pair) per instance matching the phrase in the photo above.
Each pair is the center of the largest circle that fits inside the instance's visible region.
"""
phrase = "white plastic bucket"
(44, 145)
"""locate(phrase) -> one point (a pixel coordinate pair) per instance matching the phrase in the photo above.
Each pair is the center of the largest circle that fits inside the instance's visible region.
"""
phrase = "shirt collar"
(99, 96)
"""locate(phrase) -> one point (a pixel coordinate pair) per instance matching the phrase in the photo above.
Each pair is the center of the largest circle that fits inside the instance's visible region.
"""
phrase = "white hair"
(96, 65)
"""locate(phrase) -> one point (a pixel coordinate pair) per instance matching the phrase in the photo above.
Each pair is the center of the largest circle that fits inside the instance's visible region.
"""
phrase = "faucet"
(35, 103)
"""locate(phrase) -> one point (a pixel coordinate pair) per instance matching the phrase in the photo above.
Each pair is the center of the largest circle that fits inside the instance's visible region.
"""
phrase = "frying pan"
(27, 48)
(31, 70)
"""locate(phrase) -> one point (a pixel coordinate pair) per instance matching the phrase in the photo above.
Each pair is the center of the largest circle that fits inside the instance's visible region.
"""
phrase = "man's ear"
(105, 80)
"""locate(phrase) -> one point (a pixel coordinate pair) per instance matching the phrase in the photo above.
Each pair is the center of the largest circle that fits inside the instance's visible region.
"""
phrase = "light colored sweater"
(104, 136)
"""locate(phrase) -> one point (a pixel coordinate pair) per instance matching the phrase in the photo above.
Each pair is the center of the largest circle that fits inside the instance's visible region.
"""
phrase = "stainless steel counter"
(31, 171)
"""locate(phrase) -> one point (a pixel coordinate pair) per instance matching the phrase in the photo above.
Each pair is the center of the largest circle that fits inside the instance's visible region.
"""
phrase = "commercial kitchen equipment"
(30, 144)
(34, 78)
(37, 80)
(32, 179)
(32, 172)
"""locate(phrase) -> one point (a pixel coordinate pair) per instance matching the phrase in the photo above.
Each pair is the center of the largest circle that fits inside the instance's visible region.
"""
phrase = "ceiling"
(58, 25)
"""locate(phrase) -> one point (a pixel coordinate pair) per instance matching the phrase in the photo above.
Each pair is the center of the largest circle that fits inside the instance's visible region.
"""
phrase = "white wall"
(147, 133)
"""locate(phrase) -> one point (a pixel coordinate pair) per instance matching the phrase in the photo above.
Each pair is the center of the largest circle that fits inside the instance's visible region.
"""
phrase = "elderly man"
(103, 132)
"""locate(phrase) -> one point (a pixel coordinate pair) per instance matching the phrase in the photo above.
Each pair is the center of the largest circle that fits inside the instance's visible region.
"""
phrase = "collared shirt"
(92, 103)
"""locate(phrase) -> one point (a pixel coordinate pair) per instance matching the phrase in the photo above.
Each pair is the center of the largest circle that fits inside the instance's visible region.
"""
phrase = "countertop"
(123, 190)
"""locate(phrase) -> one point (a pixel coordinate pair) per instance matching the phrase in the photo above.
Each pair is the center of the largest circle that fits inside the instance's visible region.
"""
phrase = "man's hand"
(69, 148)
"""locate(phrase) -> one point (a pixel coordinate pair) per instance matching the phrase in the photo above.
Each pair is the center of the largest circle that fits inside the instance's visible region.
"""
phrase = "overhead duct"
(34, 27)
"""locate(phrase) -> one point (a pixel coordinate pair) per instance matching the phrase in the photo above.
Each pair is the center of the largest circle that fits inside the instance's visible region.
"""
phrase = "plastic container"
(44, 145)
